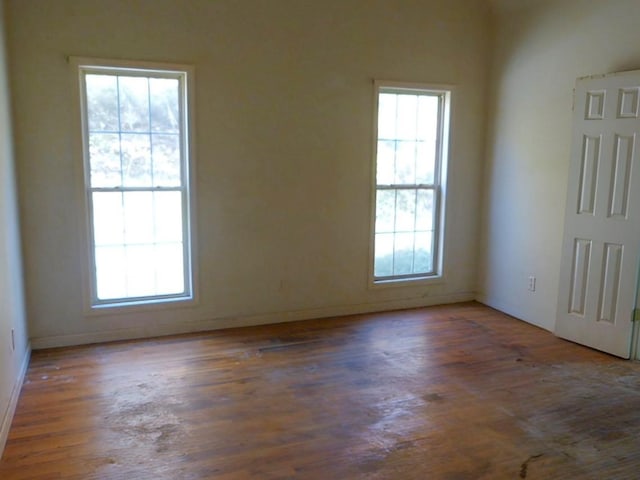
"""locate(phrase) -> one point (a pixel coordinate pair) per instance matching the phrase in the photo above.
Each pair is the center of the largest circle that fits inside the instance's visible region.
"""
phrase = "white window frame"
(184, 73)
(445, 92)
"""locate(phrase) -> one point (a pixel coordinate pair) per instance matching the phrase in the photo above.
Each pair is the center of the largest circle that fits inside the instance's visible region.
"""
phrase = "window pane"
(168, 217)
(165, 106)
(111, 268)
(138, 217)
(134, 104)
(426, 162)
(407, 117)
(159, 250)
(170, 269)
(104, 158)
(141, 263)
(166, 160)
(387, 116)
(423, 260)
(386, 162)
(403, 254)
(405, 210)
(108, 218)
(136, 160)
(383, 265)
(385, 210)
(428, 117)
(424, 211)
(102, 102)
(405, 163)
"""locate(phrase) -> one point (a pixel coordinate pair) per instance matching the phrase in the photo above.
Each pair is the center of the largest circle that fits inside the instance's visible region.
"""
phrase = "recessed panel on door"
(610, 282)
(628, 102)
(579, 278)
(621, 175)
(589, 174)
(595, 105)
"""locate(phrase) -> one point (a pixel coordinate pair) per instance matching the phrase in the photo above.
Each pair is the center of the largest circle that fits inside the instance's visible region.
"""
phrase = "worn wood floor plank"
(453, 392)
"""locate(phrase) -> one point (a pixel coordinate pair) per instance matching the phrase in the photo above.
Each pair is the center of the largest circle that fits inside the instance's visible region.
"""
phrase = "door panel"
(601, 247)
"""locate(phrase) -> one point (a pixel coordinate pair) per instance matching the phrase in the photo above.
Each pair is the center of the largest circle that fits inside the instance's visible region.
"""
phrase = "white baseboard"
(13, 400)
(213, 323)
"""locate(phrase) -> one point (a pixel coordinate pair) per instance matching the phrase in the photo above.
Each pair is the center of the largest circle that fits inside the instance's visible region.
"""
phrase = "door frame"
(635, 330)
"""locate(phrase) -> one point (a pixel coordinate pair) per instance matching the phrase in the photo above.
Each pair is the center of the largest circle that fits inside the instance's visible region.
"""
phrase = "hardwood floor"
(453, 392)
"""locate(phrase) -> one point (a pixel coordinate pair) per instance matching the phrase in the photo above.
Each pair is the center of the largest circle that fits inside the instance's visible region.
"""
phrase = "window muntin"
(137, 183)
(408, 195)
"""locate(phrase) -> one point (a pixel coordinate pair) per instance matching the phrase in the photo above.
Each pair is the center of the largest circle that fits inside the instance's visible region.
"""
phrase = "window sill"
(406, 282)
(140, 306)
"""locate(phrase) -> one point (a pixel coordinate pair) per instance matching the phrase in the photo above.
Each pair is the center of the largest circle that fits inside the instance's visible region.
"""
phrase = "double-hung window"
(410, 166)
(136, 182)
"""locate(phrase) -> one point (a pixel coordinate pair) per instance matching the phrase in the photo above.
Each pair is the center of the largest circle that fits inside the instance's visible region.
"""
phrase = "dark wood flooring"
(453, 392)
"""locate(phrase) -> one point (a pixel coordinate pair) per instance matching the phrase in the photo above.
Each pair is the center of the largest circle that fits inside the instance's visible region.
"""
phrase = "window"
(411, 152)
(136, 177)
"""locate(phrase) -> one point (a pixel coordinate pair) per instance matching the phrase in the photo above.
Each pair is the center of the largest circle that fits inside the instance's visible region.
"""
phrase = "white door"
(601, 248)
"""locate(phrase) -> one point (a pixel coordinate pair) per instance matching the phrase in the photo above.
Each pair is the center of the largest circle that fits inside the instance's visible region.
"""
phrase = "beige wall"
(12, 362)
(283, 144)
(540, 48)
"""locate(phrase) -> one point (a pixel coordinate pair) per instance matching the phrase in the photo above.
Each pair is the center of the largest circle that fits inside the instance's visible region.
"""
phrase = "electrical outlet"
(532, 284)
(13, 340)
